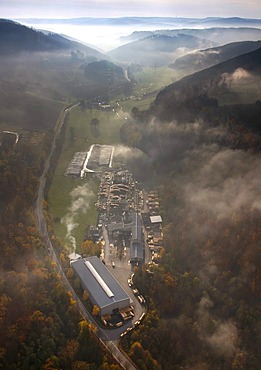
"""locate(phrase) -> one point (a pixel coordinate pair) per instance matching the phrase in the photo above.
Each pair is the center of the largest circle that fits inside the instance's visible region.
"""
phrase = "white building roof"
(155, 219)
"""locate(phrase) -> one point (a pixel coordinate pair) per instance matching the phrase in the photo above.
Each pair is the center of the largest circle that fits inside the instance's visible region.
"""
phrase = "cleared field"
(149, 82)
(141, 104)
(80, 135)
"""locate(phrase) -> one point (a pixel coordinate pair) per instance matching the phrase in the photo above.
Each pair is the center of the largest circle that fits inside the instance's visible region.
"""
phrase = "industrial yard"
(129, 229)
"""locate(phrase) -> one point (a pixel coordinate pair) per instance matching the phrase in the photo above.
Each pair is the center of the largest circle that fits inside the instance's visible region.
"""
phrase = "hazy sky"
(119, 8)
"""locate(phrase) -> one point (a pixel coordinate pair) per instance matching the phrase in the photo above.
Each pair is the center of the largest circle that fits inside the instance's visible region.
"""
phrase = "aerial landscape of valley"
(130, 185)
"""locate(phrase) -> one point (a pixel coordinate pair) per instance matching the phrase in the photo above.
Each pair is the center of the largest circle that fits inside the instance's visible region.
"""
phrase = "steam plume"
(80, 202)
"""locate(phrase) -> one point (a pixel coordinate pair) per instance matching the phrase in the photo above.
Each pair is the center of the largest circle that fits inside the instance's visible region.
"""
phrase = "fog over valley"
(130, 185)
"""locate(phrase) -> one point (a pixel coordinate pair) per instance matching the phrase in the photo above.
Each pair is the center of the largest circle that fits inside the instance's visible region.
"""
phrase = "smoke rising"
(81, 197)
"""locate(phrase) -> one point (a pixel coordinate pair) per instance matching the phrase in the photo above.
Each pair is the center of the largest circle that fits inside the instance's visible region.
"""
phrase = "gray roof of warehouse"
(136, 247)
(136, 227)
(93, 285)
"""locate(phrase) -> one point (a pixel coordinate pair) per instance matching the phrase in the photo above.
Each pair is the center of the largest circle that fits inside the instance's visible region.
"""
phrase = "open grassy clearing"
(142, 104)
(152, 79)
(79, 137)
(149, 81)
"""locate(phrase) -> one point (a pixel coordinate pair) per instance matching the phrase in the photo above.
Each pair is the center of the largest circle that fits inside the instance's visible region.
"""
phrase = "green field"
(153, 79)
(79, 137)
(142, 104)
(148, 83)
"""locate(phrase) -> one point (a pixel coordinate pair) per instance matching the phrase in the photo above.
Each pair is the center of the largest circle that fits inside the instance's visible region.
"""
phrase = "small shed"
(155, 219)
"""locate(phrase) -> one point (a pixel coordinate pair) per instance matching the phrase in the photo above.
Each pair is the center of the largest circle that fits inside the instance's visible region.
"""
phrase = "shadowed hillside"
(158, 49)
(202, 59)
(108, 78)
(204, 159)
(15, 38)
(234, 81)
(218, 35)
(39, 73)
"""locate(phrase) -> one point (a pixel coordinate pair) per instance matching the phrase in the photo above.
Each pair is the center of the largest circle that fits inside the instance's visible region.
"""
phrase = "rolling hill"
(158, 50)
(203, 59)
(108, 78)
(16, 38)
(218, 35)
(178, 22)
(238, 80)
(39, 73)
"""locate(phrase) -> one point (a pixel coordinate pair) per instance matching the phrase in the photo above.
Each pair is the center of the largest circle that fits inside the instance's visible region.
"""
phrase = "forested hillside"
(221, 34)
(16, 38)
(204, 159)
(39, 323)
(158, 50)
(107, 78)
(193, 96)
(202, 59)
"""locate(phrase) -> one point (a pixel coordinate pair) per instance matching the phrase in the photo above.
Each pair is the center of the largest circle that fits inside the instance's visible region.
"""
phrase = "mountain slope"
(202, 59)
(158, 49)
(39, 73)
(15, 38)
(218, 35)
(206, 88)
(173, 22)
(109, 77)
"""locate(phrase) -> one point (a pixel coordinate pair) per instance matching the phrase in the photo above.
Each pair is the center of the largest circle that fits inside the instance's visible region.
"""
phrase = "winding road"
(108, 338)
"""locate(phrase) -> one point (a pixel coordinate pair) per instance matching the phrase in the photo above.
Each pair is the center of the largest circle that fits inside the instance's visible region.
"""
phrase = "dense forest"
(39, 323)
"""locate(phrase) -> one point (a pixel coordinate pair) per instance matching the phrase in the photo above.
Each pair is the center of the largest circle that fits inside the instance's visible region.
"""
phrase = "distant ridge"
(172, 21)
(158, 49)
(219, 35)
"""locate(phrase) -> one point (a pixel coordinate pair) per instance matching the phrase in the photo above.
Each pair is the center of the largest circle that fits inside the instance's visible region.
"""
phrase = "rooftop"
(155, 219)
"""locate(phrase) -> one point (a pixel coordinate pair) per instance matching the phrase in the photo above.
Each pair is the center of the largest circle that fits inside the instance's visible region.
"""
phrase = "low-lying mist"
(210, 204)
(100, 37)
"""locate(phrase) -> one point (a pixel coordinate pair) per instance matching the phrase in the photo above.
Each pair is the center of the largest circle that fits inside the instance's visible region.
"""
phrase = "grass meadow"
(148, 83)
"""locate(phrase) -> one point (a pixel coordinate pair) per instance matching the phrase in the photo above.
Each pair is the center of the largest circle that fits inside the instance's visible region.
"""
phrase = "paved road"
(109, 338)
